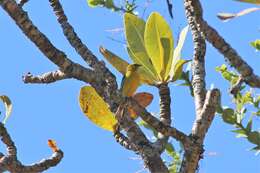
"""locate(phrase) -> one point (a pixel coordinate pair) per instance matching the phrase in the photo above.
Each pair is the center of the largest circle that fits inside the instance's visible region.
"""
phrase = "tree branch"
(150, 155)
(165, 114)
(123, 140)
(82, 49)
(105, 87)
(49, 77)
(225, 48)
(203, 121)
(198, 65)
(12, 164)
(157, 124)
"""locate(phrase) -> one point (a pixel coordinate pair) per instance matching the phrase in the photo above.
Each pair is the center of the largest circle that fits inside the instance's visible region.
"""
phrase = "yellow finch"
(131, 80)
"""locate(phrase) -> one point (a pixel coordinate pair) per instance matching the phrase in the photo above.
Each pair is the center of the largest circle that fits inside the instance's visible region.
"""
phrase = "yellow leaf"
(159, 44)
(134, 32)
(94, 107)
(113, 59)
(177, 51)
(178, 69)
(8, 106)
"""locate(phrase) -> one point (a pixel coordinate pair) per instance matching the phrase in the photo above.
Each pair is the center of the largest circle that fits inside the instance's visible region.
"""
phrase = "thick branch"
(83, 50)
(225, 48)
(106, 87)
(150, 155)
(158, 125)
(165, 114)
(46, 78)
(203, 121)
(198, 65)
(11, 164)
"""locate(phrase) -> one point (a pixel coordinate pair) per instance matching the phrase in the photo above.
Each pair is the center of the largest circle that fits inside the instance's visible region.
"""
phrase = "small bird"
(131, 80)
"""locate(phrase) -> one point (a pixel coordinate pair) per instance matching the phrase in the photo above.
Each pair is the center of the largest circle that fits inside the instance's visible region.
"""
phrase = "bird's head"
(133, 67)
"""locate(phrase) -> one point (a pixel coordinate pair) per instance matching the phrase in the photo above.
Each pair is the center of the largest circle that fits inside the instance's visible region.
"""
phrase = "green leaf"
(134, 31)
(250, 1)
(257, 113)
(249, 124)
(177, 69)
(229, 116)
(256, 44)
(240, 115)
(148, 127)
(221, 68)
(109, 4)
(159, 44)
(8, 106)
(94, 3)
(170, 149)
(257, 149)
(256, 102)
(177, 50)
(240, 133)
(247, 98)
(254, 137)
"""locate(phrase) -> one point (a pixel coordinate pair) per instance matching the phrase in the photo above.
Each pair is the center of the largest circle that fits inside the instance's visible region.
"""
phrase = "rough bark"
(105, 84)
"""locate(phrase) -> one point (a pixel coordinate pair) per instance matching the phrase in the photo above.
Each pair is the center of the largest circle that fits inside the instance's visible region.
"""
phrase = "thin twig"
(49, 77)
(9, 162)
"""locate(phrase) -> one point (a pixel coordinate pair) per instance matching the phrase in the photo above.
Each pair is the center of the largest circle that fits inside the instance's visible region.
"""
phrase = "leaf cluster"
(242, 100)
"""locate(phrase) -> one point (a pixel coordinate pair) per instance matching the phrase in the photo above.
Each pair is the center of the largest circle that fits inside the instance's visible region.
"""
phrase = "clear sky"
(52, 111)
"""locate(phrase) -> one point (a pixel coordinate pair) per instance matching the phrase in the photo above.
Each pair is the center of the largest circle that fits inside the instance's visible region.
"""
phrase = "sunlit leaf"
(113, 59)
(94, 3)
(177, 69)
(249, 124)
(94, 107)
(240, 133)
(247, 98)
(177, 51)
(8, 106)
(257, 113)
(148, 127)
(159, 43)
(254, 137)
(229, 116)
(170, 149)
(256, 44)
(134, 31)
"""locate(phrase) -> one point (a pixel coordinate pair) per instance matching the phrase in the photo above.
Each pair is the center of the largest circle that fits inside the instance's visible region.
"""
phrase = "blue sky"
(52, 111)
